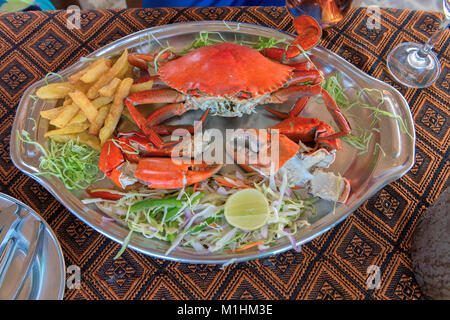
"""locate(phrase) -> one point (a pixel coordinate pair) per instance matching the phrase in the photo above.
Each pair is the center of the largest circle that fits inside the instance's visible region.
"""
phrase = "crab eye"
(244, 95)
(194, 92)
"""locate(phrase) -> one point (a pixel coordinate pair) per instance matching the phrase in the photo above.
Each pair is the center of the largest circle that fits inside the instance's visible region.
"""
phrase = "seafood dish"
(119, 137)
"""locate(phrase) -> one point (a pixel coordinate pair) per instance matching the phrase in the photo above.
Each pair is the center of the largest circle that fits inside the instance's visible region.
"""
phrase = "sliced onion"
(108, 219)
(239, 175)
(294, 244)
(264, 231)
(222, 190)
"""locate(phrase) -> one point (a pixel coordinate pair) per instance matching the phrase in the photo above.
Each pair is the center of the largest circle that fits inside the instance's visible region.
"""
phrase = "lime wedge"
(247, 209)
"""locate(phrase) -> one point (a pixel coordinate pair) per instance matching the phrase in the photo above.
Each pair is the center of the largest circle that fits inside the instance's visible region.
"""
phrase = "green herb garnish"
(76, 165)
(361, 138)
(53, 74)
(264, 43)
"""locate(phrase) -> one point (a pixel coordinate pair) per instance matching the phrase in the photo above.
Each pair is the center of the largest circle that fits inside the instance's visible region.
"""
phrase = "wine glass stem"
(433, 39)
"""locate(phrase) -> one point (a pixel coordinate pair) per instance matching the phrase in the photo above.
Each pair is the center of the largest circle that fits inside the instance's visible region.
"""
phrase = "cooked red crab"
(230, 80)
(227, 80)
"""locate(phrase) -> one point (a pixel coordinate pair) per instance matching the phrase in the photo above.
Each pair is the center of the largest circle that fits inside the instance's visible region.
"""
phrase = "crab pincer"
(165, 173)
(122, 162)
(309, 33)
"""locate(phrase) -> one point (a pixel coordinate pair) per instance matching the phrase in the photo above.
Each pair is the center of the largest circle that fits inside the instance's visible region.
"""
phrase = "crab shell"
(227, 70)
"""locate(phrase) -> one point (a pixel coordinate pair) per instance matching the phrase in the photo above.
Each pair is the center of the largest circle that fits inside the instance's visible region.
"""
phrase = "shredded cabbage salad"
(194, 217)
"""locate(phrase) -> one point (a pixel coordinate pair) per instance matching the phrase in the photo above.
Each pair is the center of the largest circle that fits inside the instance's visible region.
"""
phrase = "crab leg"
(166, 112)
(284, 94)
(156, 96)
(295, 111)
(151, 96)
(164, 173)
(145, 79)
(305, 76)
(338, 117)
(300, 66)
(279, 114)
(141, 122)
(141, 60)
(298, 107)
(171, 110)
(135, 60)
(169, 129)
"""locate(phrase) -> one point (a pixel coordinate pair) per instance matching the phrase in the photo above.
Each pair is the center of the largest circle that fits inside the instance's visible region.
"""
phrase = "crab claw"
(307, 130)
(164, 173)
(307, 170)
(309, 33)
(259, 154)
(112, 159)
(120, 162)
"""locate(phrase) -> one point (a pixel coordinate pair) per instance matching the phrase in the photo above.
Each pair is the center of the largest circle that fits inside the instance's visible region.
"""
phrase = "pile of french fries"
(92, 101)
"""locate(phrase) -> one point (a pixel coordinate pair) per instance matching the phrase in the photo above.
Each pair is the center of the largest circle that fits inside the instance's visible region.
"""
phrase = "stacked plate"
(31, 260)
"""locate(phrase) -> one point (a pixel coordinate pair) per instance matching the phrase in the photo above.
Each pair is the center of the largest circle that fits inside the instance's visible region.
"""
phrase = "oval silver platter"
(31, 259)
(368, 173)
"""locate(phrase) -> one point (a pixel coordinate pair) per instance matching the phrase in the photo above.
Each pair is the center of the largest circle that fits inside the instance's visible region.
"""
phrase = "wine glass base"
(410, 69)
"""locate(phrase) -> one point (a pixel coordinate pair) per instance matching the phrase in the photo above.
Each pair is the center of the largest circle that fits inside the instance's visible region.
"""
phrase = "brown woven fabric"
(334, 265)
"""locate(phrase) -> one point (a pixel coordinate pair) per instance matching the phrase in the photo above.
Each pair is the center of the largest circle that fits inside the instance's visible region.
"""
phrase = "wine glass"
(415, 65)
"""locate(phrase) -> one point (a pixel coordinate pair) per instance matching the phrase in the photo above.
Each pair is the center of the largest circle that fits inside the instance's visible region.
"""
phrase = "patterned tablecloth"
(334, 265)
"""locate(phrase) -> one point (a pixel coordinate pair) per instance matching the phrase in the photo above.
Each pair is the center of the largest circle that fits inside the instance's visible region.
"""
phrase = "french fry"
(77, 76)
(100, 120)
(65, 115)
(124, 71)
(141, 86)
(73, 128)
(51, 114)
(81, 86)
(129, 73)
(82, 137)
(96, 71)
(80, 116)
(106, 77)
(110, 88)
(54, 91)
(115, 111)
(102, 101)
(67, 101)
(80, 99)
